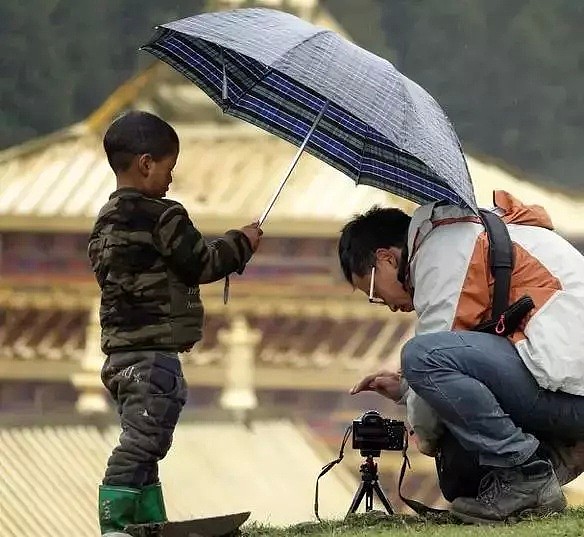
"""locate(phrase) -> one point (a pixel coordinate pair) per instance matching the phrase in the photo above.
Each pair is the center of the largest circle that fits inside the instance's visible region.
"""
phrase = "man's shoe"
(505, 493)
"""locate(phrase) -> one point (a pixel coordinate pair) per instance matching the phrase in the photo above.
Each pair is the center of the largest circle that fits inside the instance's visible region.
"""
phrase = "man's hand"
(254, 234)
(384, 382)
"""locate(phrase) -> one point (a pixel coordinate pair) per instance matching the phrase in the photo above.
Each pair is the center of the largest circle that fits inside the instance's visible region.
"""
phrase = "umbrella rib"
(360, 168)
(225, 94)
(270, 69)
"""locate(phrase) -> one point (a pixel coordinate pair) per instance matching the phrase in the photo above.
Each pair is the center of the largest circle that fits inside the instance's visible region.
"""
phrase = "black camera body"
(373, 433)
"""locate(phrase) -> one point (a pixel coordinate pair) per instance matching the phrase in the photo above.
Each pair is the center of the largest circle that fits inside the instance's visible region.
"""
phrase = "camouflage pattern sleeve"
(190, 256)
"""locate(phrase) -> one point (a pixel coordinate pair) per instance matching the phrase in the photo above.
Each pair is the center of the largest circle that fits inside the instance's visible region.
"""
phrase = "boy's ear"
(144, 163)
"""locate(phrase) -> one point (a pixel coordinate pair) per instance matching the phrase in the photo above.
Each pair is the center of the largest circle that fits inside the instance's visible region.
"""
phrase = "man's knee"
(419, 355)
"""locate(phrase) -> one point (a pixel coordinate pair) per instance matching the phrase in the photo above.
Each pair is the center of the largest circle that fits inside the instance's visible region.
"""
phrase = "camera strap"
(416, 506)
(330, 465)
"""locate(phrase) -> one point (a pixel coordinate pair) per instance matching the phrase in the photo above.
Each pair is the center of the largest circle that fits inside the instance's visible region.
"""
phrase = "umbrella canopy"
(310, 86)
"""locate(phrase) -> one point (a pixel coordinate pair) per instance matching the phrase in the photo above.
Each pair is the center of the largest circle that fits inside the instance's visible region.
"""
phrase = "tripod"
(369, 485)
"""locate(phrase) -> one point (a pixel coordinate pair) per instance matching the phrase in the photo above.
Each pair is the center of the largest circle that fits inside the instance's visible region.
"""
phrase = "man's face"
(386, 286)
(157, 174)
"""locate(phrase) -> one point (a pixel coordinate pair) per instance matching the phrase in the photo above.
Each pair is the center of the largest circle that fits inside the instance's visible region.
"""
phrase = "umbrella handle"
(292, 165)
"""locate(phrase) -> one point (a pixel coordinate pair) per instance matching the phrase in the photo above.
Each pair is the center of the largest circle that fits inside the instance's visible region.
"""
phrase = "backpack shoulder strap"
(501, 259)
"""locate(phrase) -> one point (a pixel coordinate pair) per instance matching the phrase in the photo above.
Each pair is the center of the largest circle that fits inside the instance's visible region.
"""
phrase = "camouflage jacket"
(149, 260)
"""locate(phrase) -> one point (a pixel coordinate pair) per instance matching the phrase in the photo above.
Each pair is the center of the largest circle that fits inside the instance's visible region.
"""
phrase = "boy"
(149, 260)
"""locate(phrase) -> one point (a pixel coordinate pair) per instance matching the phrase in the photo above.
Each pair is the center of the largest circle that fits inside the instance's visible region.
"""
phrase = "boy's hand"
(254, 234)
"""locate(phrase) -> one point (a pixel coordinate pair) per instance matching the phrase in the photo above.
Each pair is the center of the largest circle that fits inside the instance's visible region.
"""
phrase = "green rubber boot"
(151, 505)
(117, 509)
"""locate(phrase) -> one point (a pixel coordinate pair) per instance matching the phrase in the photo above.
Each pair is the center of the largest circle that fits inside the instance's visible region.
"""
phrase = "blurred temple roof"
(50, 476)
(271, 472)
(226, 173)
(225, 176)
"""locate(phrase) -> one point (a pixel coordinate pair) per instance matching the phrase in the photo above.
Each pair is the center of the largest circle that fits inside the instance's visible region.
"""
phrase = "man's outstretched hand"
(384, 382)
(254, 234)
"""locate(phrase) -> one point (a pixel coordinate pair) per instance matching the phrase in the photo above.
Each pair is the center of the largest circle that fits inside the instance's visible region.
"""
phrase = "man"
(497, 396)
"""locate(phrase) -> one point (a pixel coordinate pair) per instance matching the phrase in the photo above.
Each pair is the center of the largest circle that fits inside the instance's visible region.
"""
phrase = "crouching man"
(496, 396)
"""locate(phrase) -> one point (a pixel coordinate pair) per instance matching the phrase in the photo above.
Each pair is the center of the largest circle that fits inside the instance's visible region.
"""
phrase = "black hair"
(361, 237)
(138, 133)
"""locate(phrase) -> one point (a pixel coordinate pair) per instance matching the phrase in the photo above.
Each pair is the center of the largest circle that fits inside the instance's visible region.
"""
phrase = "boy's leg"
(151, 392)
(481, 390)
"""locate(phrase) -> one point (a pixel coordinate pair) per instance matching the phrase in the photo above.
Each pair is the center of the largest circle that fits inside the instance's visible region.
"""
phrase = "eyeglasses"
(374, 299)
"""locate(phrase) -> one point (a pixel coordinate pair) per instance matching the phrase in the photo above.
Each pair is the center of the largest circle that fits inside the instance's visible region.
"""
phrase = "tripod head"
(368, 469)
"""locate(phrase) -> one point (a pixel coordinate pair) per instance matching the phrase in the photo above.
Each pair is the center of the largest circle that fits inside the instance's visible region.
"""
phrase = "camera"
(373, 433)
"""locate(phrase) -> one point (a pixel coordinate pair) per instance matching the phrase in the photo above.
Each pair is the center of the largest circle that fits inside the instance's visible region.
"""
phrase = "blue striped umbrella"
(331, 98)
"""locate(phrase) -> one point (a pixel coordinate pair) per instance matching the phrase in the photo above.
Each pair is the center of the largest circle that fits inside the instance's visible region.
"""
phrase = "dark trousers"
(459, 472)
(150, 391)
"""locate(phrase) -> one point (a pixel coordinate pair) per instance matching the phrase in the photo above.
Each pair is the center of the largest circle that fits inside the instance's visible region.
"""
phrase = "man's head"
(375, 240)
(142, 150)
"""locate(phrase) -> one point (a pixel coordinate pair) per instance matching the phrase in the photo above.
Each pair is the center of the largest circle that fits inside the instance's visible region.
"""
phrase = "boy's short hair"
(138, 133)
(361, 237)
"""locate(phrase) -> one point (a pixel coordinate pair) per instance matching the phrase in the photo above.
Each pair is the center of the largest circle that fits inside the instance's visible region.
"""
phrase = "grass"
(568, 524)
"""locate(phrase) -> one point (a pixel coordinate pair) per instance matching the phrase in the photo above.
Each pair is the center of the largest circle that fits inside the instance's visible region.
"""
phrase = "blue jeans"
(487, 398)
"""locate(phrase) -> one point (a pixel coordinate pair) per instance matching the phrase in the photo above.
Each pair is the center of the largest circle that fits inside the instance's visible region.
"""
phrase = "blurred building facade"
(293, 337)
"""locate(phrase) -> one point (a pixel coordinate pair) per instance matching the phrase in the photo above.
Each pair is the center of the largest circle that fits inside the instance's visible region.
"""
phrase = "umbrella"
(331, 98)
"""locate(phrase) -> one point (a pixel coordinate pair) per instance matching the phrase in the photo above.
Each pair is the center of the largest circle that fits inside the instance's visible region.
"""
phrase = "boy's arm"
(193, 258)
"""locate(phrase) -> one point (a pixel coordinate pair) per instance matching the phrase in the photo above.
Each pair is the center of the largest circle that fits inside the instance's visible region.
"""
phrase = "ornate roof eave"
(312, 299)
(320, 338)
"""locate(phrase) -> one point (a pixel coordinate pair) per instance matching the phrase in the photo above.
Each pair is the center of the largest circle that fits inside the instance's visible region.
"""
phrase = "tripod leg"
(383, 498)
(356, 500)
(369, 498)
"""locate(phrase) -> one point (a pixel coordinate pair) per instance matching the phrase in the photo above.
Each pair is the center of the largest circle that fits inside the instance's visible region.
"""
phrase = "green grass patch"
(568, 524)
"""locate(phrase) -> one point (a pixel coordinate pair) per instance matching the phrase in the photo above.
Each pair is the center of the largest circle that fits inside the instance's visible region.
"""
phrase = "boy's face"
(156, 174)
(386, 285)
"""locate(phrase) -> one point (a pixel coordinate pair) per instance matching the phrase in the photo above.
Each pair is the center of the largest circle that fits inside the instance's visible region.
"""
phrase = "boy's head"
(375, 240)
(142, 150)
